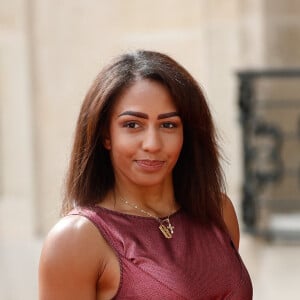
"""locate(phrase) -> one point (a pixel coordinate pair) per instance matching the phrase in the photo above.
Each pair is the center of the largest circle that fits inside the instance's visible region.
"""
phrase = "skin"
(144, 143)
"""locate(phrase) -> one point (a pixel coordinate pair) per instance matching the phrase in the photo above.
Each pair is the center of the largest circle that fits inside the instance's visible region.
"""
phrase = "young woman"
(145, 214)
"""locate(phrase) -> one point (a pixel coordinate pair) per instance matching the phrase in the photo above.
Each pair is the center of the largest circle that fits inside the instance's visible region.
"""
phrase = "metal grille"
(269, 104)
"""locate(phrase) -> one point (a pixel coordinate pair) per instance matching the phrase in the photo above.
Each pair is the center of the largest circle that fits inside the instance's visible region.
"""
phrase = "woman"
(144, 213)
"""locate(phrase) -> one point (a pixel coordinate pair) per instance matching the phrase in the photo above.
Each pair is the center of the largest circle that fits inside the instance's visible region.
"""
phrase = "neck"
(157, 200)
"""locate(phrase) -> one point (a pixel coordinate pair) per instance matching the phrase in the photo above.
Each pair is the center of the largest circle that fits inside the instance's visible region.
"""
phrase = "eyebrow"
(145, 116)
(168, 115)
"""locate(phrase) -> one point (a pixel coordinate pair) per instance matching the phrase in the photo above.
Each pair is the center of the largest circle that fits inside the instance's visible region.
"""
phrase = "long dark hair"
(197, 176)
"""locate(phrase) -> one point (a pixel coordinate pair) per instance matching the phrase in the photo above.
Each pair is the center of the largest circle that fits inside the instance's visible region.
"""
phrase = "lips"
(151, 165)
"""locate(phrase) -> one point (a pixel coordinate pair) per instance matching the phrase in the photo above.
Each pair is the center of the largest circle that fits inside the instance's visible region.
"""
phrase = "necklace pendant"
(165, 231)
(165, 225)
(166, 228)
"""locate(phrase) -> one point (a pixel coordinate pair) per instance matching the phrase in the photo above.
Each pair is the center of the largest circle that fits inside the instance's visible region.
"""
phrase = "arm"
(70, 264)
(231, 221)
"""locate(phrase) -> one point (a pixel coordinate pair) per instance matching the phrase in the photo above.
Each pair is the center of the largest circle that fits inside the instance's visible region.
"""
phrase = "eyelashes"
(136, 125)
(169, 125)
(131, 124)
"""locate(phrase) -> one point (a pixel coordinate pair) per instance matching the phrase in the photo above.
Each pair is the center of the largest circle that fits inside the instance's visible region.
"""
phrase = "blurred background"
(244, 53)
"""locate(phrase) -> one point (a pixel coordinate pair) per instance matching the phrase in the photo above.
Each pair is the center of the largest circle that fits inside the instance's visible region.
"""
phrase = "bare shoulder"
(71, 260)
(231, 221)
(72, 235)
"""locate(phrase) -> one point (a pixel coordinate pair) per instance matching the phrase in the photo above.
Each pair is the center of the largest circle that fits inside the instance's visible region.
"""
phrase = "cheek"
(179, 141)
(179, 148)
(175, 146)
(123, 145)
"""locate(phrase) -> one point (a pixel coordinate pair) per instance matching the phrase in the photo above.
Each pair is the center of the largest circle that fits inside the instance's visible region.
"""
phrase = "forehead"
(145, 95)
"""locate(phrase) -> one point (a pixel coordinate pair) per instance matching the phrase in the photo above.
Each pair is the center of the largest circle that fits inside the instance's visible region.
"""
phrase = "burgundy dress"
(199, 262)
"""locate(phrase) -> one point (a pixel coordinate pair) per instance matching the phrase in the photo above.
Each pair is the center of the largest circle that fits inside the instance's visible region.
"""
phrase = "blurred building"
(50, 51)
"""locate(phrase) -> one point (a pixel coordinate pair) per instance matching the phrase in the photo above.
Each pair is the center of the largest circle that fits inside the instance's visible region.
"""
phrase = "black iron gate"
(269, 104)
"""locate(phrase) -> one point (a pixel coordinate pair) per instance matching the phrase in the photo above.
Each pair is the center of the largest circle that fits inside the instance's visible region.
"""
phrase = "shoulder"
(72, 254)
(231, 220)
(72, 231)
(73, 235)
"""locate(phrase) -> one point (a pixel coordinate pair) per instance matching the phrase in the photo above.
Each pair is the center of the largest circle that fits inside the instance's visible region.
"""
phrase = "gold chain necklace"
(165, 225)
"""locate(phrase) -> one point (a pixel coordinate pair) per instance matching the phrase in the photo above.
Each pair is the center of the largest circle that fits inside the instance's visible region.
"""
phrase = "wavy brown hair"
(197, 176)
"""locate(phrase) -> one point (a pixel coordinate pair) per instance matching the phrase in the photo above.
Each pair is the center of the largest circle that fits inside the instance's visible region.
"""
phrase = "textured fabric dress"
(199, 262)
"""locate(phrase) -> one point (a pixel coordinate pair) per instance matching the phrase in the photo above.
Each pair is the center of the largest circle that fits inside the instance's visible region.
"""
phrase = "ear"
(107, 143)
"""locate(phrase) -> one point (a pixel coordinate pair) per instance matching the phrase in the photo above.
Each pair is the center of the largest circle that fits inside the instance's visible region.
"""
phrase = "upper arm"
(231, 221)
(70, 263)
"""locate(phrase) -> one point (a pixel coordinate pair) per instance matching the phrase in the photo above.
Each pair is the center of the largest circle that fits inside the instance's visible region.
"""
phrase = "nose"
(152, 141)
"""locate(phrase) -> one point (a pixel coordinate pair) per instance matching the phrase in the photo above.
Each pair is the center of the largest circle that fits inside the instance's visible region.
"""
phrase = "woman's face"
(145, 135)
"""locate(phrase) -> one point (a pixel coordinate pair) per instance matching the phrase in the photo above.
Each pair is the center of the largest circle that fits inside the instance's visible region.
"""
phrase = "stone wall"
(50, 51)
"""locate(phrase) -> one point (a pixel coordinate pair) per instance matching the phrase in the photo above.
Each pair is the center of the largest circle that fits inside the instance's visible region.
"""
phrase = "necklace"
(165, 225)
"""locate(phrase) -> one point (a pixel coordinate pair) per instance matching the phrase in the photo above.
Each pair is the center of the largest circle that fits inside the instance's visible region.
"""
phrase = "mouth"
(151, 165)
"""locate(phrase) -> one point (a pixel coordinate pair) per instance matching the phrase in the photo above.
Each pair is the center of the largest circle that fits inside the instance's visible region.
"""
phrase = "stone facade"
(50, 51)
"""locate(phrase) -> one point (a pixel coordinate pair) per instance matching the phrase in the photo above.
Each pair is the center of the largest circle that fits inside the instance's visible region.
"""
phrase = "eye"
(169, 125)
(131, 124)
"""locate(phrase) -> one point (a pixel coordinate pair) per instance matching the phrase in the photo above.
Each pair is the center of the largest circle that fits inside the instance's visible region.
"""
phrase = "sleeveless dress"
(199, 262)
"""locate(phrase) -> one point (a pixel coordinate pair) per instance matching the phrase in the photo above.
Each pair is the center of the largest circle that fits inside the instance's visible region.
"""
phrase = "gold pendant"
(166, 228)
(165, 231)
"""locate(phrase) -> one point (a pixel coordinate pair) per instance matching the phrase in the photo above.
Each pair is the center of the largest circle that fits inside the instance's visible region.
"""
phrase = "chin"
(149, 182)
